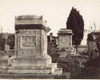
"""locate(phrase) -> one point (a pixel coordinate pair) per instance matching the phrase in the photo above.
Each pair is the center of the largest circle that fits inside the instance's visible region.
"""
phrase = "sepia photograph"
(49, 39)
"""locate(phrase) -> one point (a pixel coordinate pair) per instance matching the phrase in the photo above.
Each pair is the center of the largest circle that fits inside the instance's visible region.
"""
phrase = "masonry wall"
(82, 49)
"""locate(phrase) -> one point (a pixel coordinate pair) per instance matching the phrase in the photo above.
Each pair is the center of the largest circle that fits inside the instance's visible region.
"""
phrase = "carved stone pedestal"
(31, 47)
(65, 42)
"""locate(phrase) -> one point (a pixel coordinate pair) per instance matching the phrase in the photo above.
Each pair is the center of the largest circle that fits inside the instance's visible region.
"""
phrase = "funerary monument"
(65, 42)
(31, 47)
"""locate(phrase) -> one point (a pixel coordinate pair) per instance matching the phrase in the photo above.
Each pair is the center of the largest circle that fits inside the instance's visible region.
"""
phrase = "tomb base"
(31, 47)
(50, 69)
(65, 51)
(44, 60)
(40, 65)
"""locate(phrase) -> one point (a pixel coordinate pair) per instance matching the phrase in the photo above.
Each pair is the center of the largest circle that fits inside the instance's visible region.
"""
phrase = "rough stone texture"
(28, 43)
(49, 69)
(31, 48)
(29, 19)
(65, 42)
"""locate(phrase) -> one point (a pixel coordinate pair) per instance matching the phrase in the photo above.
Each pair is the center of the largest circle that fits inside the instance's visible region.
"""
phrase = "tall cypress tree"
(76, 24)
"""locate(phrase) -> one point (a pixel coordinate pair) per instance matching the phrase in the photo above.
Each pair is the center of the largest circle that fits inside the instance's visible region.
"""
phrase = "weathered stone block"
(65, 42)
(31, 47)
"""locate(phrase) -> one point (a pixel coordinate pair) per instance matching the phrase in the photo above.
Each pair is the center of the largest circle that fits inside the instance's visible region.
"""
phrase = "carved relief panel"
(64, 41)
(28, 42)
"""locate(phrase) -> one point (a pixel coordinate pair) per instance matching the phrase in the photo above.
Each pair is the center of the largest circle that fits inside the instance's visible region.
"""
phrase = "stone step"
(50, 69)
(46, 70)
(36, 71)
(31, 63)
(58, 71)
(26, 76)
(53, 65)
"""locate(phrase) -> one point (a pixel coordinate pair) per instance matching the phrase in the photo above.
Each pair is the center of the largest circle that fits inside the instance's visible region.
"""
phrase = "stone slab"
(43, 61)
(58, 71)
(26, 76)
(36, 71)
(50, 69)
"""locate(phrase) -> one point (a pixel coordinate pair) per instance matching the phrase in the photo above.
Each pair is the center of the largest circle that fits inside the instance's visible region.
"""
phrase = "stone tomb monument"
(31, 47)
(65, 42)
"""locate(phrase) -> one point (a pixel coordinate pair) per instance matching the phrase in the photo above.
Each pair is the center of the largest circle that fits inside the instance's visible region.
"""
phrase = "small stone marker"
(65, 42)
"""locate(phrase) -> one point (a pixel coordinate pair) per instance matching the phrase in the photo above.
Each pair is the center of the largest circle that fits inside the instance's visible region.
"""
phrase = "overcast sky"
(55, 12)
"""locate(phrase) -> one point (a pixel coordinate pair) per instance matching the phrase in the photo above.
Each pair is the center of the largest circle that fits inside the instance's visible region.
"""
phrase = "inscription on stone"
(28, 42)
(64, 40)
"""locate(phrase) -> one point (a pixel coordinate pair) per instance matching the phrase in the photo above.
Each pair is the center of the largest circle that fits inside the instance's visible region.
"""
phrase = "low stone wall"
(81, 49)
